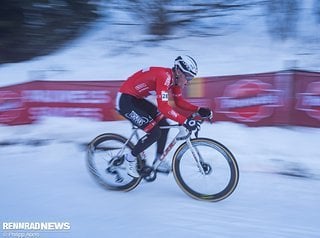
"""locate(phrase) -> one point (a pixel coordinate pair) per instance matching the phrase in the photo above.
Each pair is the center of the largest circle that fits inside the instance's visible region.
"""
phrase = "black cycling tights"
(156, 134)
(141, 113)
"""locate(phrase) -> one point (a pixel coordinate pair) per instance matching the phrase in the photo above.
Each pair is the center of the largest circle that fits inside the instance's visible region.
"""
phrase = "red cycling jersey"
(158, 81)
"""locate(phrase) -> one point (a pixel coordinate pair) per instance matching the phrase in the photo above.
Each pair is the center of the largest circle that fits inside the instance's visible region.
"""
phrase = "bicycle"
(203, 168)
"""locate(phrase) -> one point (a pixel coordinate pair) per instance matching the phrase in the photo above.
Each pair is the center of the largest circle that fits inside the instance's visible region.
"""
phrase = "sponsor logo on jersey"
(249, 100)
(168, 80)
(173, 113)
(141, 87)
(309, 101)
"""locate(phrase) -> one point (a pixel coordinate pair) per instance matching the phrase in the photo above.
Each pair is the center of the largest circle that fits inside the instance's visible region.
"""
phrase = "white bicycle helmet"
(187, 65)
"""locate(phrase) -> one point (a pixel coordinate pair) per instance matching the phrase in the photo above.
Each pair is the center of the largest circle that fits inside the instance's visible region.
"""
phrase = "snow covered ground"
(44, 179)
(43, 171)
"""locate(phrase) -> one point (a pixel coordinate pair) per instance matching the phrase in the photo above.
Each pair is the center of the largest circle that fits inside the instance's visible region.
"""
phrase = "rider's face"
(182, 78)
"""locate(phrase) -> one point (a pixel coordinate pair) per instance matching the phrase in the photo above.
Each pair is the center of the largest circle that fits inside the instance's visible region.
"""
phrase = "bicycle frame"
(106, 154)
(183, 134)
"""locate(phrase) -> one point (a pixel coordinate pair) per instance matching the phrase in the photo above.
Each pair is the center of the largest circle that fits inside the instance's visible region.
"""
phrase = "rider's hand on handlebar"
(205, 112)
(192, 124)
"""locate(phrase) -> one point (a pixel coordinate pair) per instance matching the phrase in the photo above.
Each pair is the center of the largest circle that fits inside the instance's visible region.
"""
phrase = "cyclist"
(159, 81)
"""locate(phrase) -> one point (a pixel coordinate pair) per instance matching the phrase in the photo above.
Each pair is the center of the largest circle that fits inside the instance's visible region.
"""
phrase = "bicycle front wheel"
(105, 162)
(213, 178)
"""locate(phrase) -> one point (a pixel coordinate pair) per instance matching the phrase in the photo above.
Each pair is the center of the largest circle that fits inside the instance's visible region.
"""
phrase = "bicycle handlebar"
(184, 132)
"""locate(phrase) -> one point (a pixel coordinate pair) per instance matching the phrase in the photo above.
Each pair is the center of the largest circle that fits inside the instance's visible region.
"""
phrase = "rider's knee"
(155, 133)
(163, 122)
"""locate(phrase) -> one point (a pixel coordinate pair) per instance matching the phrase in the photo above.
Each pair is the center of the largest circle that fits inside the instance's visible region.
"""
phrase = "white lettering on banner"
(311, 100)
(67, 96)
(11, 106)
(7, 105)
(38, 112)
(247, 102)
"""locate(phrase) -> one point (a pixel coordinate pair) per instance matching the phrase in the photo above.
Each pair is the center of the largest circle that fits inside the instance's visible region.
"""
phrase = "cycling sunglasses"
(188, 77)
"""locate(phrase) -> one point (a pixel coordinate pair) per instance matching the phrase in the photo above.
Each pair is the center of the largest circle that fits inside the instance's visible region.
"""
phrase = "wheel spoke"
(220, 170)
(106, 166)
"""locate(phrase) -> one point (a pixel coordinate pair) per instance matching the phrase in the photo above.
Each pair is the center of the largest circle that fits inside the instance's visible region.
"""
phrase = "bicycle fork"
(196, 155)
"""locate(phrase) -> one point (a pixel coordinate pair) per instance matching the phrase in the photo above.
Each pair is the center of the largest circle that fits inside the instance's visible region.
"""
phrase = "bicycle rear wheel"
(221, 172)
(105, 162)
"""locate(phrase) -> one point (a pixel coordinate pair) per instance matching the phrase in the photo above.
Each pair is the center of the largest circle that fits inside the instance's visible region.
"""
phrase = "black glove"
(205, 112)
(192, 124)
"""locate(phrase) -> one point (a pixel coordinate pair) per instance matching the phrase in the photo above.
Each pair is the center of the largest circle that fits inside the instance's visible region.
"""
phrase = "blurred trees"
(164, 18)
(37, 27)
(30, 28)
(282, 17)
(168, 18)
(316, 8)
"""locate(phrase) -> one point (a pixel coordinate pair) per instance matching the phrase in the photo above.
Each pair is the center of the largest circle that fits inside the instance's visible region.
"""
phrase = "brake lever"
(209, 119)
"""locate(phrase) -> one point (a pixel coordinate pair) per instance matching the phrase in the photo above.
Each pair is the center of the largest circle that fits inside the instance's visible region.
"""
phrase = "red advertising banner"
(257, 99)
(25, 103)
(276, 98)
(306, 108)
(266, 99)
